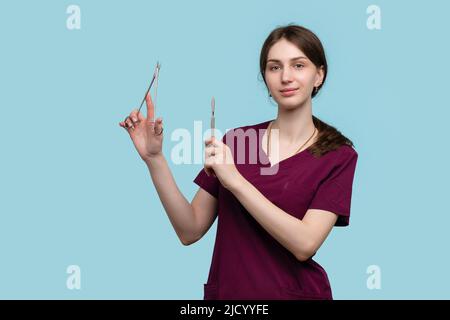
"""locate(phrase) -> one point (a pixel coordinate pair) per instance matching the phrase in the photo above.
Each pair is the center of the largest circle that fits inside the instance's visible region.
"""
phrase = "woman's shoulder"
(347, 150)
(341, 154)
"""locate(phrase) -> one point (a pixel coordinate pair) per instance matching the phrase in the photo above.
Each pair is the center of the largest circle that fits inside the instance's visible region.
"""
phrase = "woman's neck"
(296, 125)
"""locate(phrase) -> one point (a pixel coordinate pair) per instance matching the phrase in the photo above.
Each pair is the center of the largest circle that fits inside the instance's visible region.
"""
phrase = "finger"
(129, 124)
(158, 126)
(209, 171)
(209, 142)
(150, 107)
(134, 116)
(209, 152)
(123, 125)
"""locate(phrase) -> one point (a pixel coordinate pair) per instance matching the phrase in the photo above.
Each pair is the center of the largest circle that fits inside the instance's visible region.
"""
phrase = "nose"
(286, 75)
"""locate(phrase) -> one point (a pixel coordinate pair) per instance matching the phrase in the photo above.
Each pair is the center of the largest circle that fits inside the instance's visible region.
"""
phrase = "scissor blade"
(155, 74)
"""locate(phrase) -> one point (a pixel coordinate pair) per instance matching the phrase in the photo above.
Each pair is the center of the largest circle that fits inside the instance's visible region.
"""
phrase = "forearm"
(178, 209)
(288, 230)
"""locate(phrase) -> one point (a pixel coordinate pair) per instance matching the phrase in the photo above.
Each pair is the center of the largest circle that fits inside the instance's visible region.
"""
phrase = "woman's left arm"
(301, 237)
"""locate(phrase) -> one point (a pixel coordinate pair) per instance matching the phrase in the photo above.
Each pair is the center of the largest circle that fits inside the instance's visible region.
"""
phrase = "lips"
(288, 89)
(289, 92)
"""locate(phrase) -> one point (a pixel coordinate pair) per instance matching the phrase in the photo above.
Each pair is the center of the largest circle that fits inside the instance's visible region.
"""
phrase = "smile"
(288, 93)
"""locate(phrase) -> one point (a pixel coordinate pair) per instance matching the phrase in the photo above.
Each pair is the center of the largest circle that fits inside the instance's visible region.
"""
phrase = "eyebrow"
(296, 58)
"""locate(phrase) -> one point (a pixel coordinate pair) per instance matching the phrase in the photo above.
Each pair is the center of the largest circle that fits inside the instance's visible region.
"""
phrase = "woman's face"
(289, 68)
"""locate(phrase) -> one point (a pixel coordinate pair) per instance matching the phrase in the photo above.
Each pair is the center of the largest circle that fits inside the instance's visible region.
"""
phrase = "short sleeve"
(335, 192)
(210, 184)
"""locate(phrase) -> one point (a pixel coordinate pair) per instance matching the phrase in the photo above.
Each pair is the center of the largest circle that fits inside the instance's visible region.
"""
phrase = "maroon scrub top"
(247, 262)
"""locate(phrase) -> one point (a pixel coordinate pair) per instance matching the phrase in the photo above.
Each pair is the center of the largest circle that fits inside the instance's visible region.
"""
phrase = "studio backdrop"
(80, 217)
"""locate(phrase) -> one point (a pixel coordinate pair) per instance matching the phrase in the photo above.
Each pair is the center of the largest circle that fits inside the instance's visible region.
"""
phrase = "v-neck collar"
(266, 161)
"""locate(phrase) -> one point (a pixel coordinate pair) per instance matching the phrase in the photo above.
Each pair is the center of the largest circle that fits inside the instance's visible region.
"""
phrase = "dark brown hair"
(329, 138)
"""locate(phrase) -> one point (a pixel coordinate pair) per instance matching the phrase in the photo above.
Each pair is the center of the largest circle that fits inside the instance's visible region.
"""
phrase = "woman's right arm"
(190, 221)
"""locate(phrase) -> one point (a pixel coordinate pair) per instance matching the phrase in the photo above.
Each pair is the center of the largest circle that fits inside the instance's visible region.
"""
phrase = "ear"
(319, 76)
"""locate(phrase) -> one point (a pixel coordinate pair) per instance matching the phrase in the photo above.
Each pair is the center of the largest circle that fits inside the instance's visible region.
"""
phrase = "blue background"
(75, 192)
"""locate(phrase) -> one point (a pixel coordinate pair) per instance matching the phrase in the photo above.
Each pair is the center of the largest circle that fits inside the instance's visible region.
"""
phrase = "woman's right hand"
(145, 133)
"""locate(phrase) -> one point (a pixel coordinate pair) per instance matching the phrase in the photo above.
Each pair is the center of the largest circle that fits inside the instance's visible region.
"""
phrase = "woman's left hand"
(219, 162)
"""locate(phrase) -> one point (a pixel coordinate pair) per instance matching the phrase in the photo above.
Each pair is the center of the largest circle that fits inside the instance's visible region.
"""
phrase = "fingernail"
(134, 119)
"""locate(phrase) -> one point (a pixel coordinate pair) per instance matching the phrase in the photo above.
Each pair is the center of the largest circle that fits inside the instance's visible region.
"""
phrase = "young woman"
(270, 223)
